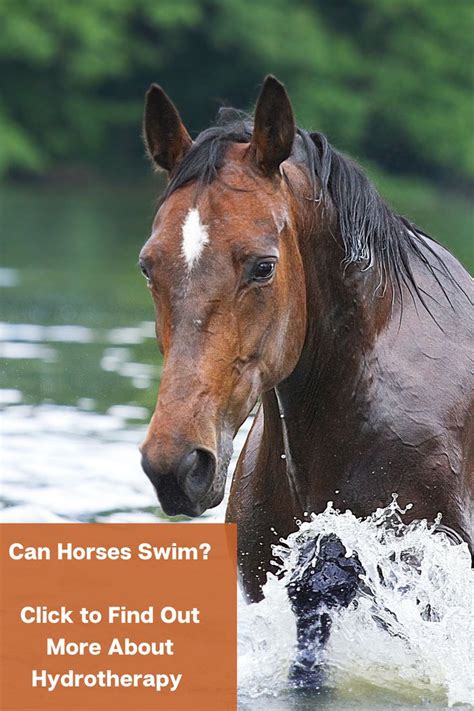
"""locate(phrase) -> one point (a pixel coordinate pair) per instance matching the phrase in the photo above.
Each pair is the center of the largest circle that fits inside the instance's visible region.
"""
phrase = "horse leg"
(324, 578)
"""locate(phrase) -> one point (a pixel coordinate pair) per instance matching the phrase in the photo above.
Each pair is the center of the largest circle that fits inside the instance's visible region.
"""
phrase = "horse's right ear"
(165, 136)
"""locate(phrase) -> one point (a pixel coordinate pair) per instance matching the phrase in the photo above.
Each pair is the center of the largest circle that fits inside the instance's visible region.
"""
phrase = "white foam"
(420, 661)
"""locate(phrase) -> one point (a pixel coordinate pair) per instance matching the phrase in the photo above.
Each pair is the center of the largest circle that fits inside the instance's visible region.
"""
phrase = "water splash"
(408, 633)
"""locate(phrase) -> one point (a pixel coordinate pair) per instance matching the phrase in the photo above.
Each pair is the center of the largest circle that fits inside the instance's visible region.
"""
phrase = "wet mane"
(372, 235)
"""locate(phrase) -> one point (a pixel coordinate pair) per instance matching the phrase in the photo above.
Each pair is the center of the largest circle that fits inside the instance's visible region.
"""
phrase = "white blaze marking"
(281, 220)
(195, 237)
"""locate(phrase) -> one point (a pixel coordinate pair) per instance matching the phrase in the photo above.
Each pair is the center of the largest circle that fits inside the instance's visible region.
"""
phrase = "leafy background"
(388, 80)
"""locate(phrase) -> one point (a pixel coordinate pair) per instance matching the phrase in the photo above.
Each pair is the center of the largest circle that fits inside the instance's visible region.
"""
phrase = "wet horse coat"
(279, 274)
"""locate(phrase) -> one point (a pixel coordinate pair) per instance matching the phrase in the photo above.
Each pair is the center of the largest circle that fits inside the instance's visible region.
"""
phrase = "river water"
(79, 377)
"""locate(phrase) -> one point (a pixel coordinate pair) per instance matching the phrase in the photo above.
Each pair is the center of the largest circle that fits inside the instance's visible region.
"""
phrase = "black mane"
(372, 234)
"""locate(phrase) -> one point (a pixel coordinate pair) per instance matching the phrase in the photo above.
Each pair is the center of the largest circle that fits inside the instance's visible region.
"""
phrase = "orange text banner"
(115, 617)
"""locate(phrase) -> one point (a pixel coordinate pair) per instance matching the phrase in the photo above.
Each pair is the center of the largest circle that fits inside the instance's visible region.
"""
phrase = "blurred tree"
(389, 80)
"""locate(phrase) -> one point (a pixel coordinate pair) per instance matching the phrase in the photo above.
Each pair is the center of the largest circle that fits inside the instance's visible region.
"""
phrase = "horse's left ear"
(274, 127)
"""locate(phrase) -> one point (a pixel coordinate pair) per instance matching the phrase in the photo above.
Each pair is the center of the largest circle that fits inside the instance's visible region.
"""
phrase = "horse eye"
(263, 270)
(144, 271)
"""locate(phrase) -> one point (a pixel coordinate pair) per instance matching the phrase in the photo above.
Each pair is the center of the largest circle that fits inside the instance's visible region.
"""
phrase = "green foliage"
(389, 80)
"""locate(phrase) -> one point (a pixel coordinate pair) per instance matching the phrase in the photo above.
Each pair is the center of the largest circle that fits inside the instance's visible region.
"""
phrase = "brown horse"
(278, 273)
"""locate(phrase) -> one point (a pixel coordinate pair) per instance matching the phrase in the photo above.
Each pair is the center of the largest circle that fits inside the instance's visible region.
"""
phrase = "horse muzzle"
(186, 486)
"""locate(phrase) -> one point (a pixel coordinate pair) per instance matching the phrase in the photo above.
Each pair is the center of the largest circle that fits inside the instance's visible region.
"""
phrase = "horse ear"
(274, 126)
(165, 136)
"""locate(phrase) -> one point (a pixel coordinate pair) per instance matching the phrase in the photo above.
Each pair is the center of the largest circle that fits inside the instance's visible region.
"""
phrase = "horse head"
(224, 268)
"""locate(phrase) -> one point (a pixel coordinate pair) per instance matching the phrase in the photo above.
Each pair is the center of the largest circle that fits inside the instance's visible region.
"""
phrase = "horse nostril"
(188, 463)
(196, 472)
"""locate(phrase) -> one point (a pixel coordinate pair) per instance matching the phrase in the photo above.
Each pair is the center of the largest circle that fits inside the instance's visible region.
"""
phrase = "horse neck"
(321, 399)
